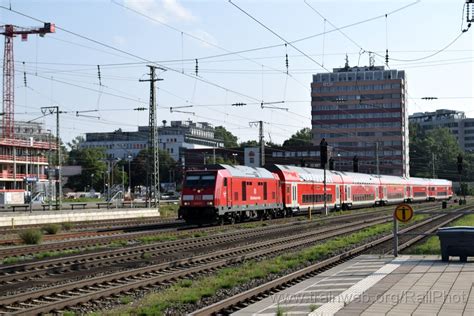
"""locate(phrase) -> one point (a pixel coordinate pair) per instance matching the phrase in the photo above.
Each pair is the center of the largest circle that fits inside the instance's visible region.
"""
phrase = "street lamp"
(235, 159)
(130, 157)
(92, 182)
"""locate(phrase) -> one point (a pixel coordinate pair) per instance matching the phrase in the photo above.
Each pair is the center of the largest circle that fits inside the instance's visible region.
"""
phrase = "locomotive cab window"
(225, 182)
(200, 180)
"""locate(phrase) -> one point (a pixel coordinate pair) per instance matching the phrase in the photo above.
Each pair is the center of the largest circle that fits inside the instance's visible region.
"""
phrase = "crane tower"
(10, 31)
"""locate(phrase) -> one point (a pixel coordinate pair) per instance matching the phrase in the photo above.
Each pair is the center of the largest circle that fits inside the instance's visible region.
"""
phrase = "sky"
(124, 36)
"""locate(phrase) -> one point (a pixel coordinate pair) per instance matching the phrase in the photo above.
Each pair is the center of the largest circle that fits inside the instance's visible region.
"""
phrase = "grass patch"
(51, 229)
(11, 260)
(431, 246)
(67, 226)
(31, 236)
(169, 210)
(125, 300)
(118, 243)
(160, 238)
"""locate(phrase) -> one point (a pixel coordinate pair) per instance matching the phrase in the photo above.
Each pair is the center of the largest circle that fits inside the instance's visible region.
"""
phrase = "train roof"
(247, 172)
(304, 174)
(358, 178)
(392, 180)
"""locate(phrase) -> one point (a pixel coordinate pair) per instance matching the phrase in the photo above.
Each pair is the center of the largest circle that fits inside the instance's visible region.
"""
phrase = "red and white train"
(226, 193)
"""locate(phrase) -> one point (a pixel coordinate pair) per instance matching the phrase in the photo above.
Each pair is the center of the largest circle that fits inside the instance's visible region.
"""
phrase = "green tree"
(230, 140)
(94, 168)
(249, 143)
(439, 143)
(139, 167)
(303, 137)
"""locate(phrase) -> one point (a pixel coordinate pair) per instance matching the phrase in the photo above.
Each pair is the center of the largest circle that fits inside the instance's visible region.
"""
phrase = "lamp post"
(235, 159)
(92, 182)
(129, 174)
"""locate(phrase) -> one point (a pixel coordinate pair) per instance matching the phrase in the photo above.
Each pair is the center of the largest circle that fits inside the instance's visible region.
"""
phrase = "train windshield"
(200, 180)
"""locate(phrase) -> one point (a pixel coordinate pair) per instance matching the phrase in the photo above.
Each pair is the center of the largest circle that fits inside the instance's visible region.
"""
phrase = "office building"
(456, 121)
(362, 111)
(173, 138)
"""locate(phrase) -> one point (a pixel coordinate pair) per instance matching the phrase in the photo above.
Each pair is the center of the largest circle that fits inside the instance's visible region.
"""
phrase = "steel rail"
(58, 297)
(297, 276)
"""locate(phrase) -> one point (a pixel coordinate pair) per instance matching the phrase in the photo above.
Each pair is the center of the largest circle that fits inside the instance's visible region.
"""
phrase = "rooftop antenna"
(346, 66)
(371, 60)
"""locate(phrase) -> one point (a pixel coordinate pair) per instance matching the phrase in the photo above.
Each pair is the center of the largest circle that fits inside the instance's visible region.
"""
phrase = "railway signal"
(331, 163)
(323, 149)
(355, 164)
(460, 165)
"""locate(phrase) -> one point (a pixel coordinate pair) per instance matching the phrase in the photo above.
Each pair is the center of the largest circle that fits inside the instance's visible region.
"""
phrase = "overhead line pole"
(153, 175)
(55, 110)
(261, 140)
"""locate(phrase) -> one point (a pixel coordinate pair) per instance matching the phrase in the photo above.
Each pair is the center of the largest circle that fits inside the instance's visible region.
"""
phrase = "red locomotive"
(227, 193)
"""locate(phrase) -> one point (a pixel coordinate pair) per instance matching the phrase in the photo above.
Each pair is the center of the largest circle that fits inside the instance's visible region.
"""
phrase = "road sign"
(403, 213)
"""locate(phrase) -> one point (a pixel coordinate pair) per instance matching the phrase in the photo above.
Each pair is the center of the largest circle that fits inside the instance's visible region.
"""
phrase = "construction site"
(26, 148)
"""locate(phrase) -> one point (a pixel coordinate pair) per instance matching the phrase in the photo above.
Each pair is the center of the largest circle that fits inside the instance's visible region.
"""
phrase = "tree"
(139, 167)
(75, 144)
(94, 169)
(439, 143)
(302, 137)
(249, 143)
(230, 140)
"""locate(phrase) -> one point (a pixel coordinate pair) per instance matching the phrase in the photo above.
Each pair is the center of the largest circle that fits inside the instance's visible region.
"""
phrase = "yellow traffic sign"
(403, 213)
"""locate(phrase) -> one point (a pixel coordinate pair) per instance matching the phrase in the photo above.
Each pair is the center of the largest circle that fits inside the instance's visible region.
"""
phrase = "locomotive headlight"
(210, 203)
(186, 203)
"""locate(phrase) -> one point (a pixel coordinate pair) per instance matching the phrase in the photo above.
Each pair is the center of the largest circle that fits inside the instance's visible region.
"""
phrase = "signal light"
(355, 164)
(323, 148)
(460, 164)
(331, 163)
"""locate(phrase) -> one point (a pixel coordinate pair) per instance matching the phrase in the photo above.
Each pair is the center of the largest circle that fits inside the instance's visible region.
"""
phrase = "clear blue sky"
(62, 67)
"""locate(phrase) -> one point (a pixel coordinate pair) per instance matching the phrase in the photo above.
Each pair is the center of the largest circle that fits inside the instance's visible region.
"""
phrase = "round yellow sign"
(403, 213)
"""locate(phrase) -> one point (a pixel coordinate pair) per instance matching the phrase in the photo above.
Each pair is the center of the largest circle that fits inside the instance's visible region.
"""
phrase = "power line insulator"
(197, 67)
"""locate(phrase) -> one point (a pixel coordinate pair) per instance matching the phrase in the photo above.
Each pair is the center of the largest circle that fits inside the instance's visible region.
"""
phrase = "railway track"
(55, 298)
(169, 227)
(159, 251)
(58, 297)
(239, 301)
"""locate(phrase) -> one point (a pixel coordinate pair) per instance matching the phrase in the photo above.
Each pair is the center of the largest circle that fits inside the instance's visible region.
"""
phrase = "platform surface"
(377, 285)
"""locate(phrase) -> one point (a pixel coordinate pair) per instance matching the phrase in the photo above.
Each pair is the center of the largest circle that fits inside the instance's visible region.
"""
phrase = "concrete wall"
(10, 218)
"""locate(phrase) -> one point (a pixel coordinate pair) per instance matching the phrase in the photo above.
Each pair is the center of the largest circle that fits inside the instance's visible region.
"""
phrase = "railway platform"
(9, 219)
(378, 285)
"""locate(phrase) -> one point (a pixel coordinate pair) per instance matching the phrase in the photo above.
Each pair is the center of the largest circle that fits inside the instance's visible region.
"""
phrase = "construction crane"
(10, 31)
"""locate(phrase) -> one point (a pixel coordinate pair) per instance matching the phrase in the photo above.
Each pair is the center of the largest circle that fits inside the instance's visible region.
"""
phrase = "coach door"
(338, 194)
(295, 195)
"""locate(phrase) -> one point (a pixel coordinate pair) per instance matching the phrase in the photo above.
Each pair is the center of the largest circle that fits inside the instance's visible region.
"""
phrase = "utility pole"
(55, 110)
(261, 140)
(50, 180)
(153, 177)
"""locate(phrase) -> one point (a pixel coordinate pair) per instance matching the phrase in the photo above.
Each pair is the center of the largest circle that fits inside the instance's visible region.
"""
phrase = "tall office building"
(362, 111)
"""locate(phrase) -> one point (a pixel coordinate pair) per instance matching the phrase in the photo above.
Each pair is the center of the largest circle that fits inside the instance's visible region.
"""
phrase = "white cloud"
(119, 40)
(162, 10)
(176, 9)
(205, 36)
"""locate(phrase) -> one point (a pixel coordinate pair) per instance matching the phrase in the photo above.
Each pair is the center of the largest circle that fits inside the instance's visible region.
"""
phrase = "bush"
(67, 226)
(51, 229)
(31, 236)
